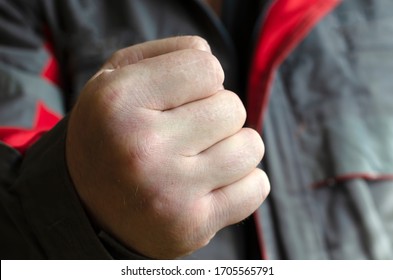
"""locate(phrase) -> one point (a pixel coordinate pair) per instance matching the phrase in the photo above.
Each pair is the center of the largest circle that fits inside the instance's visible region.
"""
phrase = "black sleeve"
(40, 213)
(41, 216)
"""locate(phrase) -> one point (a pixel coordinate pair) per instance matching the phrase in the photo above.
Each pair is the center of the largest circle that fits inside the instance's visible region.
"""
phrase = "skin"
(157, 150)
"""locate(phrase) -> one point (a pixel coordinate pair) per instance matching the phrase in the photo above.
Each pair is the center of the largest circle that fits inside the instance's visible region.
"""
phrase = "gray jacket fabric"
(328, 129)
(328, 136)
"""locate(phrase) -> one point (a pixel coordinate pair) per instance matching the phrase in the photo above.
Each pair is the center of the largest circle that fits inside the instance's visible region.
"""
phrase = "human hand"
(156, 149)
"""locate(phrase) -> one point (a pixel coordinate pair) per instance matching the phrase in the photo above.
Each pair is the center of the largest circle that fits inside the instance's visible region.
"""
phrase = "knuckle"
(197, 42)
(212, 67)
(201, 66)
(247, 154)
(238, 112)
(126, 56)
(263, 184)
(255, 140)
(115, 58)
(218, 71)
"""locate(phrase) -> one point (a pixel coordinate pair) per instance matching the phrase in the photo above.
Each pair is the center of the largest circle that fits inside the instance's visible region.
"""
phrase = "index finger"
(136, 53)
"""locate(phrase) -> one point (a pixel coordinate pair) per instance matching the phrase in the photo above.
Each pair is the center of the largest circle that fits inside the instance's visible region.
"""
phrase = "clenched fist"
(157, 152)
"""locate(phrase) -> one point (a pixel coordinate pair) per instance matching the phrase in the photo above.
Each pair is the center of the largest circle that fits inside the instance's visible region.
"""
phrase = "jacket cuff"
(52, 207)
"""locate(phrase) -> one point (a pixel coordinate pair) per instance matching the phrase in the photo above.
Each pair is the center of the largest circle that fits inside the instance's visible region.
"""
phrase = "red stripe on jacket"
(45, 119)
(286, 24)
(22, 138)
(51, 70)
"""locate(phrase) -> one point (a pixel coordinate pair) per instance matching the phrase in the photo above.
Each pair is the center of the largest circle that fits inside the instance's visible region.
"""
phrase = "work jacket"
(315, 77)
